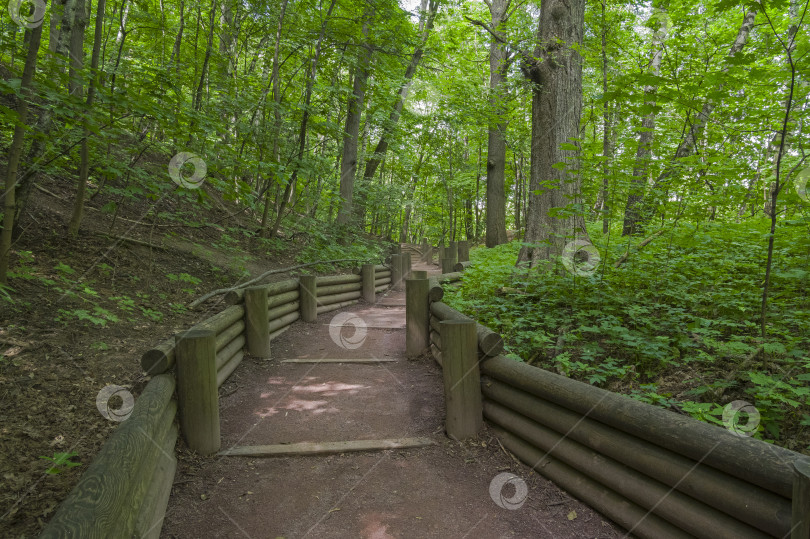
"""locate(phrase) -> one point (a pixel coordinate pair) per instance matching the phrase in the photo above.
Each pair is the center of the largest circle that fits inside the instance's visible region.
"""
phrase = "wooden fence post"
(800, 521)
(463, 251)
(257, 332)
(419, 274)
(448, 265)
(428, 256)
(462, 378)
(308, 298)
(406, 266)
(367, 273)
(396, 272)
(417, 316)
(452, 252)
(198, 398)
(442, 252)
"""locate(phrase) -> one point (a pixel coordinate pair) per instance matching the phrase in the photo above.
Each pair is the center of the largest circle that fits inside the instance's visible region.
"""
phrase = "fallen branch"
(194, 304)
(640, 246)
(132, 240)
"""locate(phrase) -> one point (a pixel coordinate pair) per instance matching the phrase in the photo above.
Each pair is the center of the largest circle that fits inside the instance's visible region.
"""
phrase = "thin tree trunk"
(302, 134)
(276, 112)
(178, 40)
(15, 151)
(478, 193)
(198, 95)
(695, 130)
(84, 165)
(426, 25)
(645, 136)
(65, 13)
(57, 12)
(518, 193)
(607, 127)
(778, 185)
(351, 134)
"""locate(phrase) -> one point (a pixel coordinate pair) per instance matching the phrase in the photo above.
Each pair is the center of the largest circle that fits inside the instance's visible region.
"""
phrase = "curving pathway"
(309, 392)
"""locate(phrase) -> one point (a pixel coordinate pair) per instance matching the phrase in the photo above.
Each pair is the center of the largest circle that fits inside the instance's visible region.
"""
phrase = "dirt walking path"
(438, 491)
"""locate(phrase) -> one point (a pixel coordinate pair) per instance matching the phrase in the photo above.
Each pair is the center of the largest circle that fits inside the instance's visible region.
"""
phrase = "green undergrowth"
(677, 325)
(85, 294)
(326, 242)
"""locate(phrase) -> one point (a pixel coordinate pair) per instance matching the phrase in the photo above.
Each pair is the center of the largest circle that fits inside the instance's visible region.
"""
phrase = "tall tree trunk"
(555, 68)
(198, 95)
(518, 192)
(227, 38)
(302, 133)
(777, 184)
(427, 16)
(178, 40)
(695, 129)
(351, 134)
(66, 14)
(84, 152)
(645, 136)
(276, 112)
(478, 193)
(496, 143)
(57, 12)
(15, 151)
(607, 136)
(496, 140)
(406, 221)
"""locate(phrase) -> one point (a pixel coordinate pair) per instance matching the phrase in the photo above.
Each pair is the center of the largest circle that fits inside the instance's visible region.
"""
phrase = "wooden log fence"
(463, 251)
(489, 342)
(125, 490)
(417, 316)
(452, 253)
(652, 471)
(462, 380)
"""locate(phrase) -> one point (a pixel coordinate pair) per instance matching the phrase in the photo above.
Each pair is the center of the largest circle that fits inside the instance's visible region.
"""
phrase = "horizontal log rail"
(125, 490)
(652, 471)
(107, 500)
(489, 342)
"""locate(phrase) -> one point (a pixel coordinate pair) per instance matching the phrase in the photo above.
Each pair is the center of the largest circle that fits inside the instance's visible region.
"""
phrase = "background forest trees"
(406, 120)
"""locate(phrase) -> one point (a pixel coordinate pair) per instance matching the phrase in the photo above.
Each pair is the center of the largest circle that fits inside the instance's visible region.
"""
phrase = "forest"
(634, 174)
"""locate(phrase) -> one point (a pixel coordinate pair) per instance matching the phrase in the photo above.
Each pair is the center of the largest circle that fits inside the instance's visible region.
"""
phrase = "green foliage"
(687, 303)
(61, 462)
(185, 278)
(321, 243)
(99, 316)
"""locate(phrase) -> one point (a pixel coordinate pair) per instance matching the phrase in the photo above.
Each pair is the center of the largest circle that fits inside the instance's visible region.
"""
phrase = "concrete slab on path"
(376, 318)
(390, 302)
(325, 448)
(339, 360)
